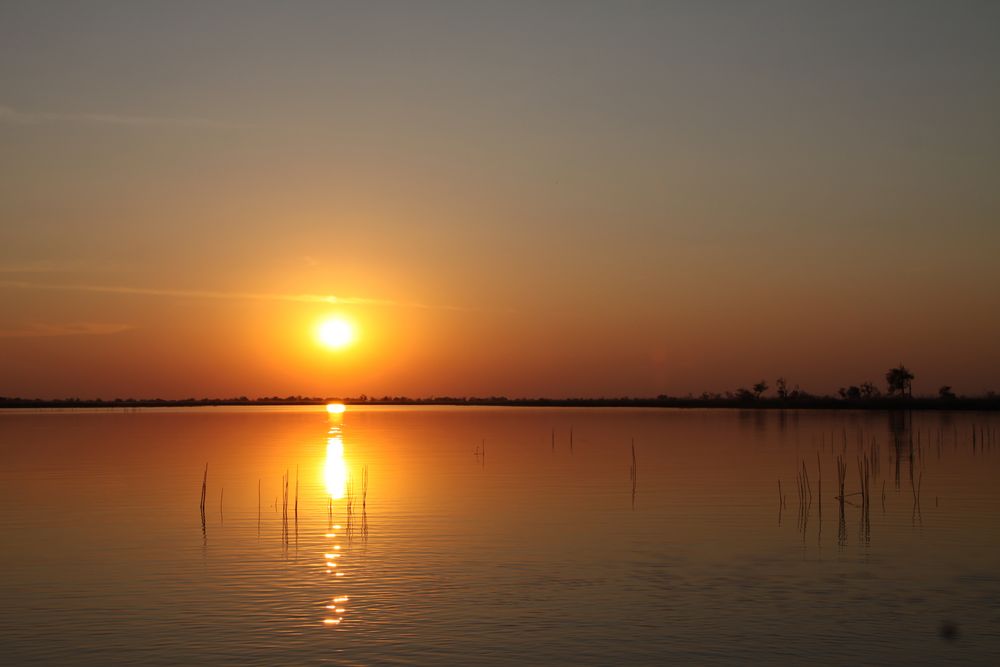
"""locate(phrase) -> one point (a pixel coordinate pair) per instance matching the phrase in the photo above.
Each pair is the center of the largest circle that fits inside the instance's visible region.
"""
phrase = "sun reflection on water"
(335, 476)
(335, 467)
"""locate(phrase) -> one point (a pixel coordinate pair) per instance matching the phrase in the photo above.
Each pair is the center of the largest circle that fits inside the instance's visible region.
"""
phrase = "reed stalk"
(819, 487)
(349, 507)
(634, 473)
(633, 468)
(364, 489)
(204, 489)
(805, 476)
(284, 507)
(841, 476)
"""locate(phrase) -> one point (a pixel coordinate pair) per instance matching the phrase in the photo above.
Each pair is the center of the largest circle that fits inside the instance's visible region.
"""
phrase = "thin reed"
(633, 473)
(204, 490)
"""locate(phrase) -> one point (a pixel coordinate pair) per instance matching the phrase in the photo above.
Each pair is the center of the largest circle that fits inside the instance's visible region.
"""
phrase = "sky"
(503, 198)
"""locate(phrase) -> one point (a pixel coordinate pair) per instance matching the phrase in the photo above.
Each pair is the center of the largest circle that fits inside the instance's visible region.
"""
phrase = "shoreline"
(988, 404)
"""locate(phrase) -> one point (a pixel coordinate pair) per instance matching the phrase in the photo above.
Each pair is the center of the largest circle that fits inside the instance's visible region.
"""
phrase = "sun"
(335, 333)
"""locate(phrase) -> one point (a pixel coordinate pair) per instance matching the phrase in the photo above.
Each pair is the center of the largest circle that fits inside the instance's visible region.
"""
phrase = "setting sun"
(335, 333)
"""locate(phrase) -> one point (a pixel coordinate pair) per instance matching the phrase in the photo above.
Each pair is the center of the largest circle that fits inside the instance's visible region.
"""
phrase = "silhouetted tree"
(798, 393)
(945, 392)
(899, 381)
(851, 393)
(743, 394)
(869, 390)
(759, 388)
(782, 388)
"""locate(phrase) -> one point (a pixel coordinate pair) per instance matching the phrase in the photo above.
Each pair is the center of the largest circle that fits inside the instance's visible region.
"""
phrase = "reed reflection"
(907, 444)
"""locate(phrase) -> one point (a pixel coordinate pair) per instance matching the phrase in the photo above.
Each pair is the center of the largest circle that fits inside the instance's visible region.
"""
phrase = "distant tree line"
(898, 393)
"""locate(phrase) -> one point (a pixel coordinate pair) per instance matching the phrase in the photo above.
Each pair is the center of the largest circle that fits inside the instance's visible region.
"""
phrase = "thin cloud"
(15, 117)
(68, 329)
(237, 296)
(41, 266)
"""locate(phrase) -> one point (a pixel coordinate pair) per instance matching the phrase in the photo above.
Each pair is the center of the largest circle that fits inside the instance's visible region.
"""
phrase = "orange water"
(541, 550)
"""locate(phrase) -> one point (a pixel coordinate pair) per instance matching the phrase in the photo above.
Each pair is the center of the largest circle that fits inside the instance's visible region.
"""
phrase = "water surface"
(497, 535)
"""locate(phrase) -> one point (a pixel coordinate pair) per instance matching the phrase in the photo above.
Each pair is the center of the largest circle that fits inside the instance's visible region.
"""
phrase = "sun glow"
(335, 333)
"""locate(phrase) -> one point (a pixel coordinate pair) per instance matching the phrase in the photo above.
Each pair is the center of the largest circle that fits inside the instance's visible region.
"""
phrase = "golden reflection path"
(335, 478)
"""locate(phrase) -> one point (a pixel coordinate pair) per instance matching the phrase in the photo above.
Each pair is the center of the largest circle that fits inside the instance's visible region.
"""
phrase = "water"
(541, 551)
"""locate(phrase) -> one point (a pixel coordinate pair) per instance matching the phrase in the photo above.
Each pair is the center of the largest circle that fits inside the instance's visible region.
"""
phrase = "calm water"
(541, 551)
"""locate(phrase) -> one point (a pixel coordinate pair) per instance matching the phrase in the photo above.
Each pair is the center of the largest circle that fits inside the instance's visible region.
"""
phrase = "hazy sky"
(539, 198)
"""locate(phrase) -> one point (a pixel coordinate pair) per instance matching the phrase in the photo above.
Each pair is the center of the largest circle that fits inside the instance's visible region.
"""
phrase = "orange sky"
(537, 200)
